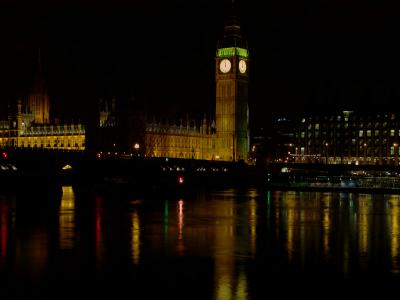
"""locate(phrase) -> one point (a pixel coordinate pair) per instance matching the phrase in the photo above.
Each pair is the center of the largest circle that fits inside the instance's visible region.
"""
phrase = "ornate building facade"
(226, 138)
(119, 129)
(30, 127)
(185, 140)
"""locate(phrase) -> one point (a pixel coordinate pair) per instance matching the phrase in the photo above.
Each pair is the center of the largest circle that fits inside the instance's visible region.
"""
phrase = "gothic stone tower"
(38, 100)
(232, 116)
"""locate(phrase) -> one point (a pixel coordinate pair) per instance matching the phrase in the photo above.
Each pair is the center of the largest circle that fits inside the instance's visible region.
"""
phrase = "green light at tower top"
(232, 51)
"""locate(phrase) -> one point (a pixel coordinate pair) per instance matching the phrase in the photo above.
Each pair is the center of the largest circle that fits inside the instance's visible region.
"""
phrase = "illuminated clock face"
(225, 66)
(242, 66)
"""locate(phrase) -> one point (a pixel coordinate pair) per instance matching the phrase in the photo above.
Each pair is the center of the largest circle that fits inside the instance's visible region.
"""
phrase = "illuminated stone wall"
(178, 142)
(232, 116)
(64, 137)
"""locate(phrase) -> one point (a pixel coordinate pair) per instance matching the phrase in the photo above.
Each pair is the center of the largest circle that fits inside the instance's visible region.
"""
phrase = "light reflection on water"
(135, 243)
(99, 232)
(394, 230)
(67, 218)
(4, 221)
(32, 254)
(241, 236)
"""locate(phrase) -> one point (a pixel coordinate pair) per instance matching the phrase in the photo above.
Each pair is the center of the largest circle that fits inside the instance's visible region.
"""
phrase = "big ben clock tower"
(232, 78)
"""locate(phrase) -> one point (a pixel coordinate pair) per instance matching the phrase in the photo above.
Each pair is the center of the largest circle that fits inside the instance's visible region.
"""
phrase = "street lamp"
(326, 153)
(365, 153)
(136, 146)
(396, 153)
(290, 152)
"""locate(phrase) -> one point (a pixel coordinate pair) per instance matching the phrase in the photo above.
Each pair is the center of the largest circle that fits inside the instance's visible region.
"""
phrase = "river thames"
(206, 244)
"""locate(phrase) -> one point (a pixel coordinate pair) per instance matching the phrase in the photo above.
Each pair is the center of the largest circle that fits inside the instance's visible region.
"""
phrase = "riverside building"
(347, 138)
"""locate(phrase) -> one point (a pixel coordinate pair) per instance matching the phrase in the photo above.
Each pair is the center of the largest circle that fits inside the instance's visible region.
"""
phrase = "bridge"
(41, 161)
(38, 166)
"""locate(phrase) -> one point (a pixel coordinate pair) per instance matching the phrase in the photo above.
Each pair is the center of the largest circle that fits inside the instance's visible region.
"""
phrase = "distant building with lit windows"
(347, 138)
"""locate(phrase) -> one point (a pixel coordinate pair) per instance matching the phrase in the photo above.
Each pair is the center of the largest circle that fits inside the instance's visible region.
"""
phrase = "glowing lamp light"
(4, 155)
(284, 170)
(136, 146)
(181, 180)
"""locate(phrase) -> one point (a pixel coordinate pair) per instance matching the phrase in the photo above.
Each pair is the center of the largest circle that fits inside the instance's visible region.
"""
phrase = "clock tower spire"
(231, 74)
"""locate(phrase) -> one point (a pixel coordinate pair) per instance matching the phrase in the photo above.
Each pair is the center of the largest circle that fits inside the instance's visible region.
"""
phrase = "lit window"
(391, 132)
(316, 126)
(368, 132)
(360, 133)
(376, 132)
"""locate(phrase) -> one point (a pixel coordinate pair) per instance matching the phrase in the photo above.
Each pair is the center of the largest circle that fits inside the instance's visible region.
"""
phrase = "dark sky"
(305, 55)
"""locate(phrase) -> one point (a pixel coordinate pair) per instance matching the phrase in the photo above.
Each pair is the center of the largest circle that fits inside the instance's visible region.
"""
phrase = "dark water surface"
(227, 244)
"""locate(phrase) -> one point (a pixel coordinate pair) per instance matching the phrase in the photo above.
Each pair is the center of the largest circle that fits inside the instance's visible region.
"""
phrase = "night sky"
(313, 56)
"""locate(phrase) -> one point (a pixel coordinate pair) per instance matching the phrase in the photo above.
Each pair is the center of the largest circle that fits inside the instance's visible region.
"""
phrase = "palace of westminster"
(225, 138)
(345, 137)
